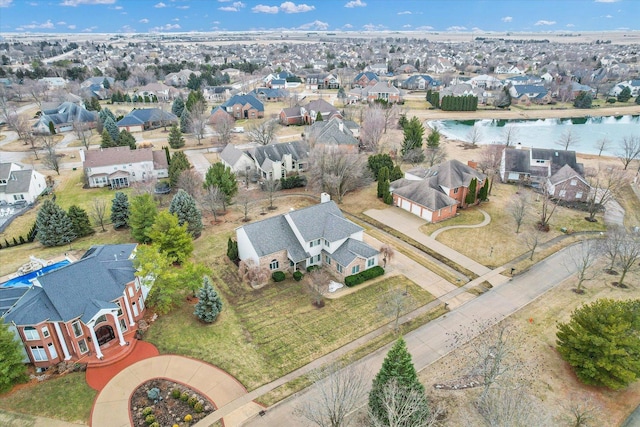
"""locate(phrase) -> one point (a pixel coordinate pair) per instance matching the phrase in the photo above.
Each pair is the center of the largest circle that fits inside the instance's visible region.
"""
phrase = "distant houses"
(146, 119)
(18, 184)
(63, 117)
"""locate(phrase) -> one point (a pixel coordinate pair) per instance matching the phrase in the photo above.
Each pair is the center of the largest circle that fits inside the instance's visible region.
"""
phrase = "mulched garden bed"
(167, 411)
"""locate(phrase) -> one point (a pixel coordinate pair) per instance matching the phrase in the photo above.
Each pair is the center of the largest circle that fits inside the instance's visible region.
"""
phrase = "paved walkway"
(111, 407)
(198, 160)
(99, 376)
(431, 341)
(485, 221)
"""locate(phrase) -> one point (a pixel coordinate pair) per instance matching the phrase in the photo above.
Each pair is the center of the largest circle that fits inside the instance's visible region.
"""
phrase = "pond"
(544, 133)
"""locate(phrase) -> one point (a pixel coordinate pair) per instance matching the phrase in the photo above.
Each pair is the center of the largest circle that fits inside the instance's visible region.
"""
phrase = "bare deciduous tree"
(401, 404)
(213, 200)
(391, 113)
(532, 239)
(474, 136)
(317, 282)
(19, 123)
(394, 304)
(602, 145)
(510, 135)
(223, 127)
(629, 254)
(263, 133)
(99, 211)
(629, 150)
(50, 158)
(271, 186)
(518, 208)
(511, 407)
(253, 274)
(612, 244)
(387, 253)
(373, 125)
(244, 200)
(547, 208)
(434, 155)
(82, 132)
(335, 394)
(337, 171)
(605, 186)
(191, 181)
(582, 256)
(490, 160)
(198, 123)
(567, 139)
(583, 412)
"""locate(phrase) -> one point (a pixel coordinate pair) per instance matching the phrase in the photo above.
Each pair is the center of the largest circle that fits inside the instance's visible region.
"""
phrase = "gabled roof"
(383, 87)
(268, 93)
(565, 173)
(244, 100)
(558, 158)
(276, 152)
(147, 115)
(328, 132)
(423, 193)
(274, 235)
(230, 154)
(322, 106)
(454, 174)
(66, 112)
(324, 220)
(370, 75)
(18, 182)
(352, 249)
(79, 289)
(121, 155)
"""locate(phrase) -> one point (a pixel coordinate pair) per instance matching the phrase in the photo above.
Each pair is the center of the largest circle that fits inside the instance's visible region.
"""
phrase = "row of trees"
(57, 227)
(459, 103)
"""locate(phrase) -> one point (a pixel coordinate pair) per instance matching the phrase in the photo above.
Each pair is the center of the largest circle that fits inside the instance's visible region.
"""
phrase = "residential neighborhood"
(234, 219)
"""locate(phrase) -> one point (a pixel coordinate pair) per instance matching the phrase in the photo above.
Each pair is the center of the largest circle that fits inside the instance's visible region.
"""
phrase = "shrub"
(155, 424)
(198, 407)
(147, 411)
(188, 418)
(311, 268)
(278, 276)
(611, 100)
(363, 276)
(294, 181)
(297, 276)
(184, 396)
(150, 419)
(192, 401)
(175, 393)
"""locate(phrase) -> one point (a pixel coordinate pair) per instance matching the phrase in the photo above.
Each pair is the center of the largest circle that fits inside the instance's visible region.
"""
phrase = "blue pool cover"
(25, 281)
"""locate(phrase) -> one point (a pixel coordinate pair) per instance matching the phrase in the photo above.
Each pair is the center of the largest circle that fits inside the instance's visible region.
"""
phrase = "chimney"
(325, 197)
(341, 126)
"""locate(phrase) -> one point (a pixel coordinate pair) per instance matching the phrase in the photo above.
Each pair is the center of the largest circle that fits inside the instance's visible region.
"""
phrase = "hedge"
(363, 276)
(297, 275)
(278, 276)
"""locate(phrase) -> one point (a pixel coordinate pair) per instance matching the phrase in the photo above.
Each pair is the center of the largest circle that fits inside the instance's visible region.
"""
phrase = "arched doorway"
(104, 334)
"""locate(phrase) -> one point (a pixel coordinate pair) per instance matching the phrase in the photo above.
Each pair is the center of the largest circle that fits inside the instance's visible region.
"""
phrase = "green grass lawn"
(469, 216)
(67, 398)
(264, 334)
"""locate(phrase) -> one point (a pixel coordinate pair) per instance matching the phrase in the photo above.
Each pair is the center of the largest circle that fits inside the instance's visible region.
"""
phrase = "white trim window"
(77, 328)
(31, 333)
(38, 353)
(123, 325)
(274, 264)
(119, 308)
(52, 351)
(370, 262)
(338, 268)
(45, 331)
(82, 345)
(355, 269)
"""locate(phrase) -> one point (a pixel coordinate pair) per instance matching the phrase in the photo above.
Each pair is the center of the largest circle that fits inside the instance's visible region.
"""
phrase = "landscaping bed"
(170, 404)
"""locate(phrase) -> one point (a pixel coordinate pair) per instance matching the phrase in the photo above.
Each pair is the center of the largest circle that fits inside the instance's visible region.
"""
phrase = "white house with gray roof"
(315, 236)
(18, 183)
(75, 312)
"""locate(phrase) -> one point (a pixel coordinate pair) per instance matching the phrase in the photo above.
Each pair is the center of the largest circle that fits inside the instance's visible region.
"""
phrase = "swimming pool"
(23, 281)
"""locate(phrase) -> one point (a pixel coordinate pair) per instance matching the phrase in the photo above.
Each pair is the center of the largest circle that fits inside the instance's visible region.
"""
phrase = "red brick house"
(436, 193)
(568, 185)
(308, 113)
(78, 311)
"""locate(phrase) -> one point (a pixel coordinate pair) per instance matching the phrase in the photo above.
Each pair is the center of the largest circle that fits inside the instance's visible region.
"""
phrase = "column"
(63, 342)
(94, 340)
(127, 305)
(120, 337)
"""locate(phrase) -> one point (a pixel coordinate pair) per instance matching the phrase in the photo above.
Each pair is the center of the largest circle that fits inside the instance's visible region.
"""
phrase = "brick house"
(315, 236)
(76, 312)
(567, 184)
(239, 107)
(308, 113)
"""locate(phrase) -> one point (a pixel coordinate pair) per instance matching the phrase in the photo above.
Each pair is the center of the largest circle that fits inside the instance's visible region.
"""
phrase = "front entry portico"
(105, 334)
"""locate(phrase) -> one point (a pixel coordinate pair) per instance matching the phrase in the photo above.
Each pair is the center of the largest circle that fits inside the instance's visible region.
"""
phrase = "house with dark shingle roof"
(239, 107)
(147, 118)
(75, 312)
(18, 183)
(436, 193)
(63, 117)
(532, 166)
(120, 167)
(307, 114)
(567, 184)
(335, 133)
(319, 235)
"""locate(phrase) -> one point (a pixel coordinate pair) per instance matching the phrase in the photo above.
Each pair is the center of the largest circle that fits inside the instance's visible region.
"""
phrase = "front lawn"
(67, 398)
(264, 334)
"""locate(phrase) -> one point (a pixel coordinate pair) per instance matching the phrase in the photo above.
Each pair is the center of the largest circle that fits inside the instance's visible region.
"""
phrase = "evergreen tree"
(54, 225)
(395, 173)
(120, 210)
(170, 237)
(484, 191)
(177, 107)
(209, 302)
(583, 100)
(184, 207)
(80, 220)
(12, 368)
(319, 117)
(126, 139)
(470, 198)
(111, 127)
(106, 113)
(232, 250)
(194, 97)
(175, 137)
(142, 215)
(413, 133)
(402, 121)
(179, 163)
(383, 182)
(222, 176)
(106, 84)
(377, 161)
(52, 128)
(106, 140)
(433, 140)
(397, 366)
(185, 122)
(601, 342)
(638, 100)
(624, 95)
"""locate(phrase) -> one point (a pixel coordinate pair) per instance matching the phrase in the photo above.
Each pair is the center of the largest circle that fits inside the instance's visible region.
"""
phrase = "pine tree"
(111, 127)
(177, 107)
(209, 303)
(221, 176)
(106, 140)
(120, 210)
(12, 368)
(106, 113)
(232, 250)
(105, 83)
(433, 140)
(383, 181)
(184, 207)
(54, 225)
(142, 215)
(170, 237)
(126, 139)
(470, 198)
(175, 137)
(179, 163)
(319, 117)
(484, 191)
(399, 367)
(413, 133)
(52, 128)
(80, 219)
(185, 123)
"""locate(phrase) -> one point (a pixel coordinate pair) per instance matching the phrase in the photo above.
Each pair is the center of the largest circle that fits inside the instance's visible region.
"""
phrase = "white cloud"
(456, 28)
(30, 3)
(182, 7)
(291, 7)
(235, 7)
(166, 27)
(127, 29)
(347, 26)
(261, 8)
(373, 27)
(6, 3)
(35, 26)
(406, 26)
(355, 3)
(144, 21)
(75, 3)
(71, 27)
(160, 5)
(507, 19)
(61, 23)
(608, 16)
(315, 25)
(176, 19)
(424, 28)
(405, 12)
(570, 25)
(543, 22)
(216, 22)
(89, 29)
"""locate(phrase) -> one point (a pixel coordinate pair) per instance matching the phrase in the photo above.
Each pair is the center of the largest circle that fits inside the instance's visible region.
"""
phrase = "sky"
(145, 16)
